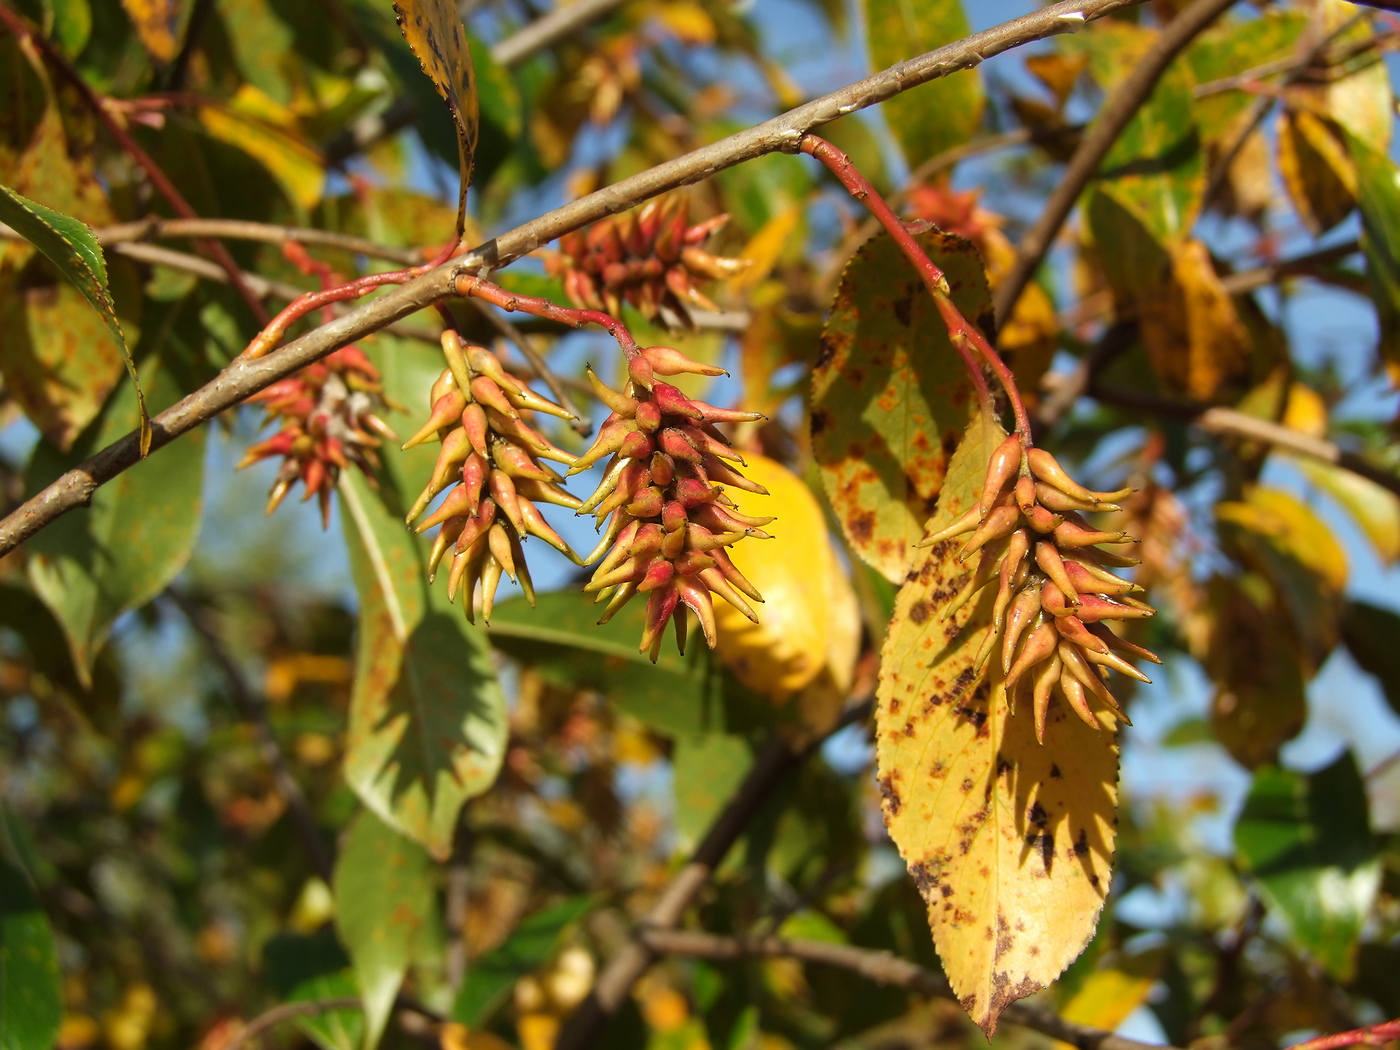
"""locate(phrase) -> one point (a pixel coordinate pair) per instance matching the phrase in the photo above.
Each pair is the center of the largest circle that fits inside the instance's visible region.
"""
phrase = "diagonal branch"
(1117, 113)
(781, 134)
(886, 968)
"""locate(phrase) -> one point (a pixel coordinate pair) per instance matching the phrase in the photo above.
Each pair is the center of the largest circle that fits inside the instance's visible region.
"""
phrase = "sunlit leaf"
(157, 24)
(1108, 996)
(808, 615)
(1316, 171)
(1306, 841)
(1009, 841)
(1375, 510)
(934, 116)
(267, 131)
(71, 246)
(383, 896)
(434, 31)
(342, 1029)
(532, 944)
(31, 996)
(1361, 99)
(890, 396)
(91, 566)
(427, 716)
(1235, 46)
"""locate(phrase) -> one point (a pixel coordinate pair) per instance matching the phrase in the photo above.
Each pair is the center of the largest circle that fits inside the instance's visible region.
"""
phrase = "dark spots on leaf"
(1038, 816)
(826, 350)
(893, 803)
(1004, 993)
(903, 308)
(950, 442)
(1004, 765)
(1055, 771)
(1034, 950)
(946, 890)
(919, 611)
(926, 878)
(1081, 845)
(821, 419)
(895, 705)
(861, 526)
(1094, 881)
(1005, 940)
(1045, 842)
(967, 785)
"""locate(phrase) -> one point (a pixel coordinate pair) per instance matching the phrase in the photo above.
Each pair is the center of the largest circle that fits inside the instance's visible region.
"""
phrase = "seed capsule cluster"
(652, 259)
(490, 459)
(329, 416)
(669, 521)
(1054, 586)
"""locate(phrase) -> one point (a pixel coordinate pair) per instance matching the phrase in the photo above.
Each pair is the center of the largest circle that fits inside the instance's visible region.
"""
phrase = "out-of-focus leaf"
(72, 247)
(435, 33)
(157, 24)
(502, 117)
(561, 639)
(1106, 997)
(342, 1029)
(707, 770)
(808, 619)
(427, 716)
(890, 396)
(1009, 841)
(263, 45)
(1191, 328)
(383, 897)
(266, 130)
(31, 996)
(1306, 841)
(1372, 636)
(1259, 671)
(533, 943)
(91, 566)
(1378, 194)
(935, 116)
(1361, 100)
(1375, 509)
(1316, 171)
(72, 24)
(1235, 46)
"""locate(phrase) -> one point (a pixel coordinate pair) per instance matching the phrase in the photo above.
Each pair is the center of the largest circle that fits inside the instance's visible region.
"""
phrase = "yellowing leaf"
(1306, 411)
(1293, 528)
(809, 612)
(156, 23)
(1362, 101)
(1317, 173)
(267, 131)
(1374, 509)
(1192, 331)
(1106, 998)
(1010, 842)
(765, 248)
(687, 21)
(437, 38)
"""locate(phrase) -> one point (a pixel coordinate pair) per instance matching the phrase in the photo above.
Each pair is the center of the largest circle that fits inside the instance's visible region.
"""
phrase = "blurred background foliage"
(195, 830)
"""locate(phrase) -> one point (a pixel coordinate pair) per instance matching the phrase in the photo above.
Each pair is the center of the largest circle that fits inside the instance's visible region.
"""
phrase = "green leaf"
(1370, 634)
(533, 943)
(31, 997)
(383, 899)
(706, 771)
(938, 115)
(91, 566)
(1233, 47)
(72, 247)
(1378, 194)
(427, 716)
(562, 639)
(342, 1029)
(1307, 843)
(890, 396)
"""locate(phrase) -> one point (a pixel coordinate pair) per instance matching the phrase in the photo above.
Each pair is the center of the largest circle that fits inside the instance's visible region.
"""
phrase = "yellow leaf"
(1316, 171)
(1362, 101)
(1306, 411)
(267, 131)
(1374, 509)
(1106, 998)
(437, 38)
(1293, 528)
(765, 248)
(688, 22)
(1191, 328)
(1010, 842)
(156, 22)
(809, 620)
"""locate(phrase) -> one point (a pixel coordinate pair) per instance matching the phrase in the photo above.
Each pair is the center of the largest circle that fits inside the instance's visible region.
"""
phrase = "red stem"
(98, 104)
(1375, 1035)
(960, 331)
(474, 287)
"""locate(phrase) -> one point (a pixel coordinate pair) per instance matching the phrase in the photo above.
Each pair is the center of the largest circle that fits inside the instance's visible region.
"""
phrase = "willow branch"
(886, 968)
(781, 134)
(1113, 119)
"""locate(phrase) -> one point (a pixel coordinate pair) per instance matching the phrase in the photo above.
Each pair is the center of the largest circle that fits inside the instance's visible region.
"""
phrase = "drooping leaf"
(91, 566)
(532, 944)
(427, 716)
(1316, 171)
(434, 31)
(1010, 842)
(1370, 633)
(943, 113)
(890, 396)
(157, 24)
(72, 246)
(1308, 845)
(383, 897)
(31, 995)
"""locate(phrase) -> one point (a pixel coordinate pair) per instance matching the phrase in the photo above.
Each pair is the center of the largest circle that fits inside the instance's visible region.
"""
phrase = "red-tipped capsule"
(666, 361)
